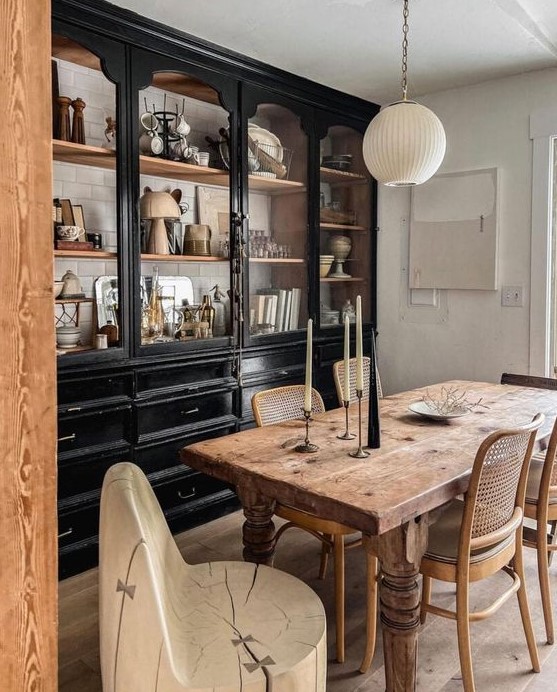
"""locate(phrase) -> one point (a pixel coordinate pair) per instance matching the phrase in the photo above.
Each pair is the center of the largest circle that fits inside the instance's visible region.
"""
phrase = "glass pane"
(277, 165)
(345, 219)
(184, 211)
(84, 206)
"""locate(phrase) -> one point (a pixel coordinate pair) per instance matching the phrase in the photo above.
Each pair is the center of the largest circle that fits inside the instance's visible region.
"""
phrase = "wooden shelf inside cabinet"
(83, 154)
(65, 301)
(75, 349)
(276, 260)
(204, 175)
(341, 227)
(86, 254)
(352, 279)
(182, 258)
(329, 175)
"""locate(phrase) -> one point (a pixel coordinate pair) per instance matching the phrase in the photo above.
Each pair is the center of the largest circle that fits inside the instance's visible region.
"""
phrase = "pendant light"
(405, 143)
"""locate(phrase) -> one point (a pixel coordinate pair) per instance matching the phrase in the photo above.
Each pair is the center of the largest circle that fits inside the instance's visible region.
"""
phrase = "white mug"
(180, 126)
(202, 158)
(101, 341)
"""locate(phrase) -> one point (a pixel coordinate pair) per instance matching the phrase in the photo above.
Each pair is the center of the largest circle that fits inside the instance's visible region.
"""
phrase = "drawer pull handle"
(73, 408)
(66, 438)
(186, 496)
(66, 533)
(283, 372)
(191, 410)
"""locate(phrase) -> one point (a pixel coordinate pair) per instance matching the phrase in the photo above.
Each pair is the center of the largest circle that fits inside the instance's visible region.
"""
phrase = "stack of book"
(276, 307)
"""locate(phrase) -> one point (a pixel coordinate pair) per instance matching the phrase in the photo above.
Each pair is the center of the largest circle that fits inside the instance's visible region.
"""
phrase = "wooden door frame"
(28, 582)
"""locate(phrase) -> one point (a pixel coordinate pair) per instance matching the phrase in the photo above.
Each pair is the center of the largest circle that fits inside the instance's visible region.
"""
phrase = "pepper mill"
(78, 125)
(64, 131)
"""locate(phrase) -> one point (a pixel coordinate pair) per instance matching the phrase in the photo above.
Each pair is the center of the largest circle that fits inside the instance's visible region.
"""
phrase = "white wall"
(486, 125)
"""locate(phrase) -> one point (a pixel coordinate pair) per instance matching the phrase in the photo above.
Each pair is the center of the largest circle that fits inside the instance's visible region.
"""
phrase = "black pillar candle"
(373, 429)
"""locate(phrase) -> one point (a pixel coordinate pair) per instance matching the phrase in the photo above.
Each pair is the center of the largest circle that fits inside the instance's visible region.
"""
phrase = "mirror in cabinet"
(184, 211)
(85, 189)
(277, 165)
(345, 219)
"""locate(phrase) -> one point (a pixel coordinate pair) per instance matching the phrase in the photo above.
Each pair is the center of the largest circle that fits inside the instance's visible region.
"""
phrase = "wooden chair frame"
(542, 511)
(330, 533)
(508, 558)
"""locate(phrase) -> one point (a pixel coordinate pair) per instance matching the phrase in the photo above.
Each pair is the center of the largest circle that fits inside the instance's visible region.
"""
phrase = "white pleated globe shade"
(404, 144)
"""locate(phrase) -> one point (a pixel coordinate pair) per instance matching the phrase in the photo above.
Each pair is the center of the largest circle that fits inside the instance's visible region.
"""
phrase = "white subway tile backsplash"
(91, 268)
(103, 194)
(88, 174)
(64, 172)
(77, 191)
(64, 265)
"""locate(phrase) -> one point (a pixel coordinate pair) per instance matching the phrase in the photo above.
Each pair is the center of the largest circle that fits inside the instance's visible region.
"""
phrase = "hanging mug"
(181, 127)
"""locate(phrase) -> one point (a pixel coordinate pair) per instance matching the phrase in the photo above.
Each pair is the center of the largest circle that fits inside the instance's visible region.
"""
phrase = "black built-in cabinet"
(143, 402)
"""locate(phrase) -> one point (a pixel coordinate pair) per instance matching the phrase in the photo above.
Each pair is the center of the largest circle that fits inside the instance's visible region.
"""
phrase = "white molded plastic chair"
(166, 626)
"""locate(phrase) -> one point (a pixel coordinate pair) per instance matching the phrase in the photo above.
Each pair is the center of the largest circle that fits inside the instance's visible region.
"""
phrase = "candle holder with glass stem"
(359, 453)
(306, 446)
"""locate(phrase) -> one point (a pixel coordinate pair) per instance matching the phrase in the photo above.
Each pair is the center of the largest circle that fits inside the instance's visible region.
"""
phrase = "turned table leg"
(258, 531)
(400, 552)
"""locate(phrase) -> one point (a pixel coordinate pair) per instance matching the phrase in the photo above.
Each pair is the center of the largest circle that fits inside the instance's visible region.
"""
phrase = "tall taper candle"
(373, 430)
(307, 394)
(346, 395)
(359, 346)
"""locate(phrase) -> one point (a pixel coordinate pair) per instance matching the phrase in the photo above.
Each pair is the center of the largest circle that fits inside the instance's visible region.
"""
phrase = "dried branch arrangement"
(450, 400)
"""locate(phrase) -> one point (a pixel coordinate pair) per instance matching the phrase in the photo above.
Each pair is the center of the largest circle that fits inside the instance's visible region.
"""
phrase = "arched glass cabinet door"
(88, 223)
(346, 224)
(183, 130)
(276, 295)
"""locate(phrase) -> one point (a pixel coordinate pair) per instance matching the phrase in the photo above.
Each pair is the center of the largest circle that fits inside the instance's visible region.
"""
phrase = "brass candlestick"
(347, 435)
(359, 453)
(306, 446)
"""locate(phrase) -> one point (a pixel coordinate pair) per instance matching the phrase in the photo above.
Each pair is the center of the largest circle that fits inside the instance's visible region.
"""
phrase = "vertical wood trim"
(28, 585)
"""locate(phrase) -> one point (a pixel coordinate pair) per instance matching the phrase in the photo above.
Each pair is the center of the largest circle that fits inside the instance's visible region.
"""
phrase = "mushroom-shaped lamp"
(158, 206)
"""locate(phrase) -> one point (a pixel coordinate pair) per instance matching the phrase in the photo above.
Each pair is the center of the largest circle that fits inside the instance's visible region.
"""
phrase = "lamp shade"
(158, 205)
(404, 144)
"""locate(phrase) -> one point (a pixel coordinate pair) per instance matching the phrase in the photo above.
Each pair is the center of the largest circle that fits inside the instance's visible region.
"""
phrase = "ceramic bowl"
(58, 286)
(67, 336)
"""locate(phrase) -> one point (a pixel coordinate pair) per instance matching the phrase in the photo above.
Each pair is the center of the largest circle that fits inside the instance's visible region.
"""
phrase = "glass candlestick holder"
(306, 446)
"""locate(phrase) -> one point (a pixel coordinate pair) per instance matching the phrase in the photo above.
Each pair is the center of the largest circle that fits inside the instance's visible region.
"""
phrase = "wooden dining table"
(392, 496)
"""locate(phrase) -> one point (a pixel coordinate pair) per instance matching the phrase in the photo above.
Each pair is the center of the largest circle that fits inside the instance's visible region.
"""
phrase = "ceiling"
(355, 45)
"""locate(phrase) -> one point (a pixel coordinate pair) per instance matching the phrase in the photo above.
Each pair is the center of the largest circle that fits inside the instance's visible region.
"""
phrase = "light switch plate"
(512, 296)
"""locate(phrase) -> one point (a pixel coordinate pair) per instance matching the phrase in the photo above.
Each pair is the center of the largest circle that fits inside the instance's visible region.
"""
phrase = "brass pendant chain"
(404, 80)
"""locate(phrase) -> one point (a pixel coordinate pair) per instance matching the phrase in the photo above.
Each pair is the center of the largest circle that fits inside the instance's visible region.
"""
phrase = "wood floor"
(501, 660)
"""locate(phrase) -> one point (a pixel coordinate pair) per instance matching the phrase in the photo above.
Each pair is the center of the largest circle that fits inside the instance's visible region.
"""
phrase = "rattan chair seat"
(444, 537)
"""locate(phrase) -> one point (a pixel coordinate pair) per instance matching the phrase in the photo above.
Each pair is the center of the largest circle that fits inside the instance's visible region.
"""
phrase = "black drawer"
(77, 525)
(84, 388)
(157, 417)
(156, 457)
(183, 487)
(94, 429)
(265, 362)
(87, 473)
(188, 376)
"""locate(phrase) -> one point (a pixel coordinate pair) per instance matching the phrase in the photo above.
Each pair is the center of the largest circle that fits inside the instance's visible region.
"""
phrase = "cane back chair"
(541, 502)
(481, 535)
(286, 403)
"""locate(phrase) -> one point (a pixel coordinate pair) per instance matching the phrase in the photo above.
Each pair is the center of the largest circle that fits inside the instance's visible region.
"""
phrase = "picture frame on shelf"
(79, 221)
(68, 218)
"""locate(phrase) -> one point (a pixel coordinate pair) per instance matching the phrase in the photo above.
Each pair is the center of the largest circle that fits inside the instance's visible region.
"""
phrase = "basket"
(264, 160)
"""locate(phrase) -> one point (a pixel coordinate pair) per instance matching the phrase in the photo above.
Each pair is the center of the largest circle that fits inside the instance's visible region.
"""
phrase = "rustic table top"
(422, 463)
